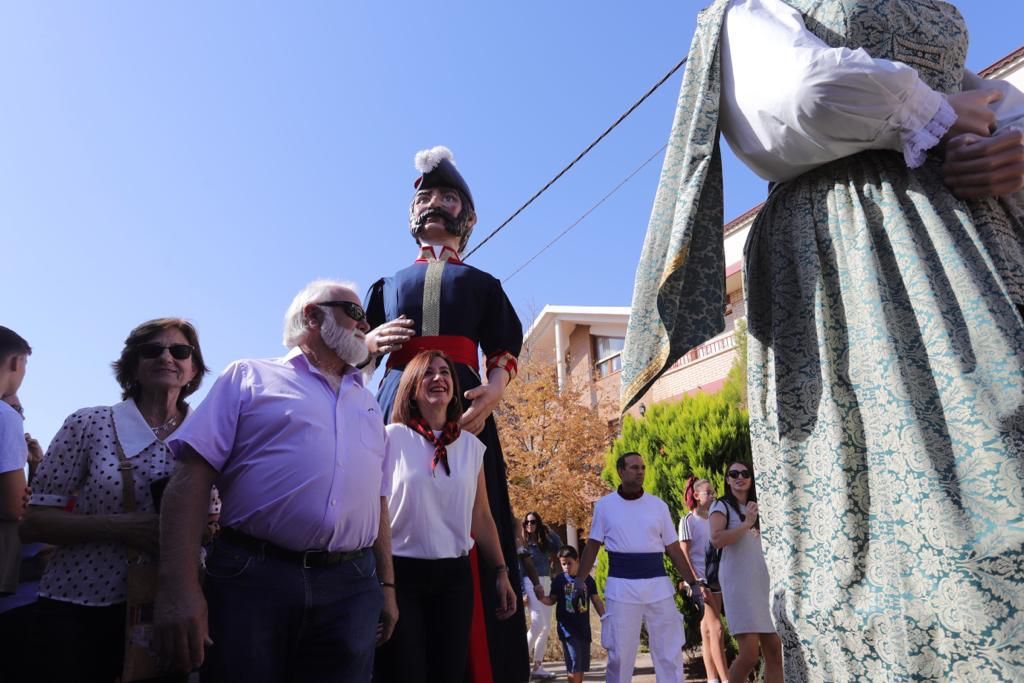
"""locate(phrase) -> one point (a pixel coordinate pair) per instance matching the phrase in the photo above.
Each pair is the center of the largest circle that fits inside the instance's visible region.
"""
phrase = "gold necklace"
(166, 426)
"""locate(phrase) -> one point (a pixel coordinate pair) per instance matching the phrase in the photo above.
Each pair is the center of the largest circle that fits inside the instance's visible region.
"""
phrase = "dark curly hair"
(127, 365)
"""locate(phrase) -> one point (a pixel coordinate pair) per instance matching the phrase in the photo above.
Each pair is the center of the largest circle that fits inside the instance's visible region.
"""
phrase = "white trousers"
(540, 619)
(620, 635)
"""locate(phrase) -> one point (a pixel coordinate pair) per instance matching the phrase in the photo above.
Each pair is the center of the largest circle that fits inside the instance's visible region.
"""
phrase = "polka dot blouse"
(82, 462)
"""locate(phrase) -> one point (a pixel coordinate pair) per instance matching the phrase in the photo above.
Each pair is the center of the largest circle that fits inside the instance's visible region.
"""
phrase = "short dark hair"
(127, 365)
(12, 343)
(568, 551)
(406, 410)
(620, 462)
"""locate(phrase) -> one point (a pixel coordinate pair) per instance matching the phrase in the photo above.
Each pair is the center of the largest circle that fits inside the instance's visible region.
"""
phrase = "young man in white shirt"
(14, 353)
(636, 528)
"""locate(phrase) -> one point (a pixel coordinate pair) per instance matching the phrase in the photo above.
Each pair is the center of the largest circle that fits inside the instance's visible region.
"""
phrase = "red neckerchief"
(449, 433)
(629, 497)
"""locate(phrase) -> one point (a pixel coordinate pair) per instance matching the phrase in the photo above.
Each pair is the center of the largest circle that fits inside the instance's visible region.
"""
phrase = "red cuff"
(504, 360)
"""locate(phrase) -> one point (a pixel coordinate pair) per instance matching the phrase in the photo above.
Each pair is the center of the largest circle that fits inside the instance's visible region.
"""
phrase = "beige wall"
(581, 367)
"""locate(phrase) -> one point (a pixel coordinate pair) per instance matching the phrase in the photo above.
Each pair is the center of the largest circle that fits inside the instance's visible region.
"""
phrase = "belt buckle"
(305, 559)
(307, 554)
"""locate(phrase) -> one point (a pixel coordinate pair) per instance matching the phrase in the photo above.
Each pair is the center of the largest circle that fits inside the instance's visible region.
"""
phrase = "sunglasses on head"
(178, 351)
(354, 311)
(739, 474)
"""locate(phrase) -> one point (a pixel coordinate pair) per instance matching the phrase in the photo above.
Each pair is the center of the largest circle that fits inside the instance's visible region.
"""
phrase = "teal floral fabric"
(679, 292)
(886, 394)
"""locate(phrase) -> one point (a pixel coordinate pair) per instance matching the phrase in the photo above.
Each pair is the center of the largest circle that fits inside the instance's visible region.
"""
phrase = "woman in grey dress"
(743, 574)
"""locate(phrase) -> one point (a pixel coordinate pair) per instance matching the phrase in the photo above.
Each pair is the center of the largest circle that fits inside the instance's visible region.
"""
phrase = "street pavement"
(643, 672)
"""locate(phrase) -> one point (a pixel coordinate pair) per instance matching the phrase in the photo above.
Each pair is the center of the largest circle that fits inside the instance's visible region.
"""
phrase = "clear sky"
(208, 159)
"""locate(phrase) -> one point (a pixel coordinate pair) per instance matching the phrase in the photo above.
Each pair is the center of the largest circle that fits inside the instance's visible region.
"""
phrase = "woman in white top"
(743, 574)
(81, 610)
(884, 278)
(438, 508)
(694, 538)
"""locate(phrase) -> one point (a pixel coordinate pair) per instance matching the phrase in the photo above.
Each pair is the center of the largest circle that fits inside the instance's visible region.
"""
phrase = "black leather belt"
(308, 559)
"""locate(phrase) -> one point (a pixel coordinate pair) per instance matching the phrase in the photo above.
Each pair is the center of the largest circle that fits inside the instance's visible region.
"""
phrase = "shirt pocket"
(371, 432)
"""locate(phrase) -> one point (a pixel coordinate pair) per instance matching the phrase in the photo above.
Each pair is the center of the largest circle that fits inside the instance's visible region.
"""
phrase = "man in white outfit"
(637, 530)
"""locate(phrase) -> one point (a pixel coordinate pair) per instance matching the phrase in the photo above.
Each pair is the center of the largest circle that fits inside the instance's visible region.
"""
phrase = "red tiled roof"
(739, 220)
(1007, 61)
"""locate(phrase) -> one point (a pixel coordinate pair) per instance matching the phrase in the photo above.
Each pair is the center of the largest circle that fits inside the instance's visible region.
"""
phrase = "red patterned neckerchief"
(449, 433)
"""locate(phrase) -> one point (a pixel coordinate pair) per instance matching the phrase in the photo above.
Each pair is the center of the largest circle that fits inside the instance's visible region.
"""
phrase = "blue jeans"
(272, 620)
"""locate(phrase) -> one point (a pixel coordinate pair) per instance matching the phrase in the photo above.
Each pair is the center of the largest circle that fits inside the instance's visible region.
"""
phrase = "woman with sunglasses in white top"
(78, 502)
(743, 575)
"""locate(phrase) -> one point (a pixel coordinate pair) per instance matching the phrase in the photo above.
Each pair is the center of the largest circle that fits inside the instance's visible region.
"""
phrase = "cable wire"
(578, 157)
(586, 213)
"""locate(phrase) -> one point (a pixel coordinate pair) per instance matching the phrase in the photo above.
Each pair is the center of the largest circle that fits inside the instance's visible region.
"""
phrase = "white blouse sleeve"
(791, 103)
(1009, 110)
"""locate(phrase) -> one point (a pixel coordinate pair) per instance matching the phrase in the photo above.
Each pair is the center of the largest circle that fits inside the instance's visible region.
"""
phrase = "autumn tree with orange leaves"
(554, 446)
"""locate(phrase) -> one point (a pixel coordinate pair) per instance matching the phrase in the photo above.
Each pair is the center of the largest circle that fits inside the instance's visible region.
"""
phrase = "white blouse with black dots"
(82, 463)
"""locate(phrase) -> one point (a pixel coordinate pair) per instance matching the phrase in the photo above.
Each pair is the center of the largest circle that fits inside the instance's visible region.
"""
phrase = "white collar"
(133, 432)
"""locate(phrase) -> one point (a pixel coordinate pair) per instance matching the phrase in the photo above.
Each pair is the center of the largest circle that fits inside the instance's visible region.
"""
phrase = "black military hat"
(437, 169)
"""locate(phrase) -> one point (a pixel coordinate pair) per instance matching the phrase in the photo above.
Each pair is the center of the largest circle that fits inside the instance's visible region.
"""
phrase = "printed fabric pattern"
(679, 290)
(886, 386)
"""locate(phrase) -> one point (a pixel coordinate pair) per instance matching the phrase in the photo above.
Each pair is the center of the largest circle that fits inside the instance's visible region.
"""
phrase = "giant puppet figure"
(439, 302)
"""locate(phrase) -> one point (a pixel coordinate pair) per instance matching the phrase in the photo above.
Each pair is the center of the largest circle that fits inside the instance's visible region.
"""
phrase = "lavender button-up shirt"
(300, 466)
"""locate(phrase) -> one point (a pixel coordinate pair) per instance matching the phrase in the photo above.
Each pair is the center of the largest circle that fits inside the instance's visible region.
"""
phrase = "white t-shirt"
(643, 525)
(13, 450)
(696, 530)
(431, 513)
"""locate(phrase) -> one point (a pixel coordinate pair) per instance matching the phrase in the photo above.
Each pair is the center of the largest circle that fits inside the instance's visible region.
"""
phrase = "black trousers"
(435, 610)
(76, 643)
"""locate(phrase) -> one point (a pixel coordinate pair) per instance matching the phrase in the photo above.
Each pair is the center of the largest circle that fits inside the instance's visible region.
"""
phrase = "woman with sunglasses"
(743, 575)
(81, 610)
(543, 545)
(439, 510)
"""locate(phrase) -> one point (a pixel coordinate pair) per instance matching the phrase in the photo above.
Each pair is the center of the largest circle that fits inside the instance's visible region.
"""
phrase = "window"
(608, 355)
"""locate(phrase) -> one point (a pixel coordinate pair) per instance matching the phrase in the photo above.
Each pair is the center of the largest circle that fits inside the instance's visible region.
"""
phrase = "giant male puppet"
(439, 302)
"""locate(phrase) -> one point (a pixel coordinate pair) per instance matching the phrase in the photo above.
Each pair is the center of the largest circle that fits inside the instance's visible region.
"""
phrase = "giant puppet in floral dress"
(886, 343)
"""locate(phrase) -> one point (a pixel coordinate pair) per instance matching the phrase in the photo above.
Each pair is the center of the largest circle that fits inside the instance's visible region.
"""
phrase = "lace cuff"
(916, 143)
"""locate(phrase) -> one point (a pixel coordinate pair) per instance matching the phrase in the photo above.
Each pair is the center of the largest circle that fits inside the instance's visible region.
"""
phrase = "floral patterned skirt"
(887, 418)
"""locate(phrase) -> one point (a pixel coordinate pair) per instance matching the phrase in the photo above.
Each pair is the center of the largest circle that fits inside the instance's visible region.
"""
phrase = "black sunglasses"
(354, 311)
(178, 351)
(740, 474)
(530, 521)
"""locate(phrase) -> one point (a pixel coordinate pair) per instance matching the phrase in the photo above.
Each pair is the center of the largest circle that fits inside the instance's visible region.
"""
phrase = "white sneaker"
(541, 674)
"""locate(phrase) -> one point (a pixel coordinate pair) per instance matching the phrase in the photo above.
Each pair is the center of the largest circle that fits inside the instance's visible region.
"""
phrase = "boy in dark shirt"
(572, 613)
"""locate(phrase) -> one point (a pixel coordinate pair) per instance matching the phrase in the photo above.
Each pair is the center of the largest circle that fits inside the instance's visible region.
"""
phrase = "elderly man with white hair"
(299, 585)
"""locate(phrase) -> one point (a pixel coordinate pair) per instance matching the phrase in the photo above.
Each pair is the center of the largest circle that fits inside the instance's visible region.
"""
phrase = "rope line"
(586, 213)
(578, 157)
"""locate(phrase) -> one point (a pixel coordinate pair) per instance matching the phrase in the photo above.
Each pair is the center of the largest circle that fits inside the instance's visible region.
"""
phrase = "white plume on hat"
(428, 159)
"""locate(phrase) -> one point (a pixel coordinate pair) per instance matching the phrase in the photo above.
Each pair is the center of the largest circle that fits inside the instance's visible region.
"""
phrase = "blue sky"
(208, 159)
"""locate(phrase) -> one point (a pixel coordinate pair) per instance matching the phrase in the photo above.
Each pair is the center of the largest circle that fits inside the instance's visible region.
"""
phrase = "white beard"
(345, 343)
